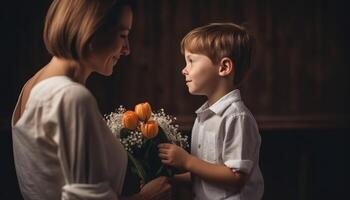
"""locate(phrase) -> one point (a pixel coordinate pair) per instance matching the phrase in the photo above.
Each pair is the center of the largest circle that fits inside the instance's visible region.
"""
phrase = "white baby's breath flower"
(171, 131)
(114, 121)
(135, 139)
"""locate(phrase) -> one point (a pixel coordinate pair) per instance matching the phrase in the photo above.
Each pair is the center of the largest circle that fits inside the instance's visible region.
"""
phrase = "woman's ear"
(226, 67)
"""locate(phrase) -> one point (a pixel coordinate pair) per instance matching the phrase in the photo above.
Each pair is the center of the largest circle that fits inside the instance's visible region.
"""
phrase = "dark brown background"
(298, 90)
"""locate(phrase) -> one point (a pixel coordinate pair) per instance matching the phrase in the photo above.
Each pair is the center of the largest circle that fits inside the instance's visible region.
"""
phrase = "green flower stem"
(159, 170)
(139, 169)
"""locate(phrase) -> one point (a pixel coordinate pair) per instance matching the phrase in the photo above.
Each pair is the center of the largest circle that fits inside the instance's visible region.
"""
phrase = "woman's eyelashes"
(124, 36)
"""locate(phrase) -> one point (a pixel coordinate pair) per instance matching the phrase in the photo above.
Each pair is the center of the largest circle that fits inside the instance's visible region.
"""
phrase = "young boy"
(224, 158)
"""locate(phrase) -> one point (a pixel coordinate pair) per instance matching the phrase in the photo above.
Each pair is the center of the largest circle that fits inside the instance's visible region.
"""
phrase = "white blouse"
(63, 148)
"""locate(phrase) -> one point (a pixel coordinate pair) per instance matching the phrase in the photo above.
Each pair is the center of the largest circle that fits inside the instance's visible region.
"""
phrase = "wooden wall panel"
(300, 67)
(298, 90)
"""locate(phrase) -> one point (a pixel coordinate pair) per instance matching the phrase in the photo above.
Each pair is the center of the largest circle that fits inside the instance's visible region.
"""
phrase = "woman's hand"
(157, 189)
(173, 155)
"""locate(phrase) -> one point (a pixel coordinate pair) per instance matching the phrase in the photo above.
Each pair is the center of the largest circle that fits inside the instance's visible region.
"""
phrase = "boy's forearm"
(220, 174)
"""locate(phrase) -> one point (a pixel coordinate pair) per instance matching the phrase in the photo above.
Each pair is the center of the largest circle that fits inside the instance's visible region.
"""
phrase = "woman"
(62, 146)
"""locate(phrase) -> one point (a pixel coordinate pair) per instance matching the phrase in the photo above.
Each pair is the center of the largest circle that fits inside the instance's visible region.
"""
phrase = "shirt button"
(199, 146)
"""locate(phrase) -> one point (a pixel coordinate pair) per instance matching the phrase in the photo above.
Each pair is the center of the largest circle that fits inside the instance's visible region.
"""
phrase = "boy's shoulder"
(238, 113)
(237, 109)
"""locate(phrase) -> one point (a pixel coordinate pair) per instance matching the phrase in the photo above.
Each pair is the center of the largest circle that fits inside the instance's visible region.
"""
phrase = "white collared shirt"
(227, 133)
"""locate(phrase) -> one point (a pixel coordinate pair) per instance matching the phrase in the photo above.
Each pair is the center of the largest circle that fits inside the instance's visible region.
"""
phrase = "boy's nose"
(184, 71)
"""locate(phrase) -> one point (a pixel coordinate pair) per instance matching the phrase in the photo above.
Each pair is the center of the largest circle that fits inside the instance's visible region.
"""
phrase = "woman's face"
(111, 46)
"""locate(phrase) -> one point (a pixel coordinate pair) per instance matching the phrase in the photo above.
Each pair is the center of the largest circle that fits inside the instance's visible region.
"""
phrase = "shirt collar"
(220, 106)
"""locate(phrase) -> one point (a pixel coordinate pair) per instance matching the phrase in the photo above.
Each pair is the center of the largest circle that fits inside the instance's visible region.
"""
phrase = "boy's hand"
(171, 154)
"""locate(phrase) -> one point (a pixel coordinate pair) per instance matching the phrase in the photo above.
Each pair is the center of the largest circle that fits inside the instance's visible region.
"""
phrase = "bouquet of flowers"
(140, 131)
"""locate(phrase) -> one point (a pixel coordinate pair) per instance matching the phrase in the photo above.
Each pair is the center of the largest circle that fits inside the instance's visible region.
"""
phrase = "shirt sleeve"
(83, 152)
(78, 191)
(241, 143)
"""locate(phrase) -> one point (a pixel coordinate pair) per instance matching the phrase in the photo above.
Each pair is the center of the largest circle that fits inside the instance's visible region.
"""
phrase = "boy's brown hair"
(219, 40)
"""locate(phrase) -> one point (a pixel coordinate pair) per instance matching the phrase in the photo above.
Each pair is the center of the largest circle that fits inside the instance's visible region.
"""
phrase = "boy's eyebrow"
(190, 55)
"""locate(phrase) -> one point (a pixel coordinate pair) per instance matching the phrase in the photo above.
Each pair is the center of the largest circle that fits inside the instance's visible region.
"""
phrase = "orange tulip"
(130, 120)
(149, 129)
(143, 110)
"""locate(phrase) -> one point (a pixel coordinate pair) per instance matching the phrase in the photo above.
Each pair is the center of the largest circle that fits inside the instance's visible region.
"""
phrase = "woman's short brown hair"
(219, 40)
(71, 24)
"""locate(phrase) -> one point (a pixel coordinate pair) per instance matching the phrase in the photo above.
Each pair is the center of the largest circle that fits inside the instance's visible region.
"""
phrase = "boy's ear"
(226, 67)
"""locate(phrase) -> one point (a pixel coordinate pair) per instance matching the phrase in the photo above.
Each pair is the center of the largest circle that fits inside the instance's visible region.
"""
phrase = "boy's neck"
(221, 91)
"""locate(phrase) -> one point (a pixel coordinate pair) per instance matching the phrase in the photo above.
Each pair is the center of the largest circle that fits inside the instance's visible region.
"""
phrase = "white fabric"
(88, 192)
(63, 148)
(227, 133)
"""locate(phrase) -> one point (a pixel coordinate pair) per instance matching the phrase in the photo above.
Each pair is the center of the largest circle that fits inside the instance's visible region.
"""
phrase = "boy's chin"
(192, 92)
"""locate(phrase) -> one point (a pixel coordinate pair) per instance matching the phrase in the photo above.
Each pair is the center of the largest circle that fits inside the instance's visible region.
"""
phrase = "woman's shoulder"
(76, 95)
(62, 90)
(70, 98)
(76, 92)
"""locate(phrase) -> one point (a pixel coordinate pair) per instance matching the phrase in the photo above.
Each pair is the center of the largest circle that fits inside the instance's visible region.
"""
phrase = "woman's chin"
(106, 73)
(110, 73)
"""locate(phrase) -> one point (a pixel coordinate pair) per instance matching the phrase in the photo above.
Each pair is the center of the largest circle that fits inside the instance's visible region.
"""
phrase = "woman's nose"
(126, 48)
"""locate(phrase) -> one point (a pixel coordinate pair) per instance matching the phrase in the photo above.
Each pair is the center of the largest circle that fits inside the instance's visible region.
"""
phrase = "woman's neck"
(70, 68)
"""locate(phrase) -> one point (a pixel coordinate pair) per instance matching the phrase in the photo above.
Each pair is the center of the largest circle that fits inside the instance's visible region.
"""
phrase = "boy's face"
(201, 74)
